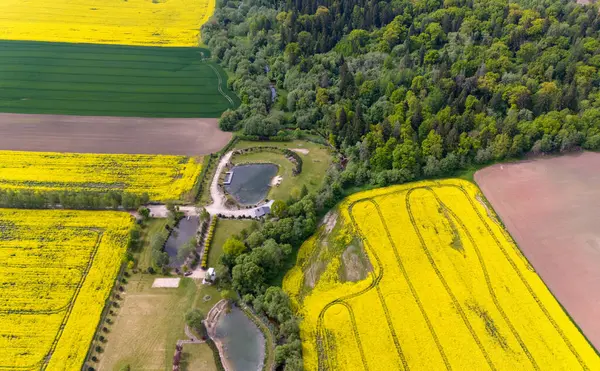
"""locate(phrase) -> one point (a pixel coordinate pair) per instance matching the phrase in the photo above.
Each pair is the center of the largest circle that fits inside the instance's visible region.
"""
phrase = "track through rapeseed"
(57, 270)
(449, 290)
(162, 177)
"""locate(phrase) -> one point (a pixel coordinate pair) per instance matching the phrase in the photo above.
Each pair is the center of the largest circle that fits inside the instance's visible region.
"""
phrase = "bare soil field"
(107, 134)
(551, 206)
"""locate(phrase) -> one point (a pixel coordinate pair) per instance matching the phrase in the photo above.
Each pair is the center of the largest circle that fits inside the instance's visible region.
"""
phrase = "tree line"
(28, 199)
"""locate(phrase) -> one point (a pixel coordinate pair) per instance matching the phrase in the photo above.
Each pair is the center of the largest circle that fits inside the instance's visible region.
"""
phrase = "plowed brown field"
(551, 206)
(103, 134)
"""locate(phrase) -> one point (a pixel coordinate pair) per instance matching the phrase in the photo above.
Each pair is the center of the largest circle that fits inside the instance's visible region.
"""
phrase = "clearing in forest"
(163, 178)
(131, 22)
(448, 289)
(57, 270)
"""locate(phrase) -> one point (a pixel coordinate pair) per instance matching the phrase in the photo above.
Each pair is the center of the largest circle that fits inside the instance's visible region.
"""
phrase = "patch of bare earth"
(303, 151)
(104, 134)
(551, 206)
(355, 263)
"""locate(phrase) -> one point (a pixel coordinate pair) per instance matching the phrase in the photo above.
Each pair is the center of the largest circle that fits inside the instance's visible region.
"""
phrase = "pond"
(242, 342)
(250, 183)
(185, 230)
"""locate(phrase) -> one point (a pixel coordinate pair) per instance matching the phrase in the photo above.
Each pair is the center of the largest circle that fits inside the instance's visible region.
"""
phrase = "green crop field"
(110, 80)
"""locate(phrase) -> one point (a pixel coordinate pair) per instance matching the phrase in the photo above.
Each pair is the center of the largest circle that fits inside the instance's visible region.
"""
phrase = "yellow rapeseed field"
(127, 22)
(448, 290)
(57, 270)
(162, 177)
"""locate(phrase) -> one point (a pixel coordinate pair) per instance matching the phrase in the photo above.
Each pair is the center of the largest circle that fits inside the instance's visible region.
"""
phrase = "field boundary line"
(487, 277)
(525, 283)
(220, 83)
(443, 280)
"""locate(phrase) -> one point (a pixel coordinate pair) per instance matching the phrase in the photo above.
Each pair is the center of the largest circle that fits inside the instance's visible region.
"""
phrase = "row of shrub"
(256, 138)
(208, 241)
(86, 200)
(196, 191)
(298, 169)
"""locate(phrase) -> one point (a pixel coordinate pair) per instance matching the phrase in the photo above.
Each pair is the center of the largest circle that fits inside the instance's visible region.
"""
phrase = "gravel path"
(218, 198)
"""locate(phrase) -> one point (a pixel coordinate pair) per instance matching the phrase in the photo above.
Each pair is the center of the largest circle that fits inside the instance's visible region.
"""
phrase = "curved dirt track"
(550, 206)
(105, 134)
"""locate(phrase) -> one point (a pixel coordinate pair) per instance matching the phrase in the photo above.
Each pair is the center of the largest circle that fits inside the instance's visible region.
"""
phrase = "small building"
(209, 276)
(261, 211)
(228, 177)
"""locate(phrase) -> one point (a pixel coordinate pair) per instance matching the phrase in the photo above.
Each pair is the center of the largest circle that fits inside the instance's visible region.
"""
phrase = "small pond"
(185, 230)
(250, 183)
(242, 342)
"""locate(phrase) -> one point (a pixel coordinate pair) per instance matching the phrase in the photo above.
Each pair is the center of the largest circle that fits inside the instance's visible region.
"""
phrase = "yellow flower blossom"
(449, 289)
(58, 267)
(130, 22)
(162, 177)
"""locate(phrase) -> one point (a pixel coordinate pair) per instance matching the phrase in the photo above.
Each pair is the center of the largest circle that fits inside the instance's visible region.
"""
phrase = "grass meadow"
(149, 323)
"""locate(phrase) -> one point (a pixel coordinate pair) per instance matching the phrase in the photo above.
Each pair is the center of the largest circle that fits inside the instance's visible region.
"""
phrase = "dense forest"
(404, 90)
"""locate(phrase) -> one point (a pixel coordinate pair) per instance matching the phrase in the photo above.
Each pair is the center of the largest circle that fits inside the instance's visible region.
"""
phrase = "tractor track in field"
(486, 275)
(43, 364)
(322, 346)
(323, 361)
(441, 278)
(219, 86)
(525, 283)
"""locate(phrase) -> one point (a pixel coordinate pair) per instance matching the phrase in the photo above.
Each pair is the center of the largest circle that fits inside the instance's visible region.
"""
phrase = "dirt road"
(103, 134)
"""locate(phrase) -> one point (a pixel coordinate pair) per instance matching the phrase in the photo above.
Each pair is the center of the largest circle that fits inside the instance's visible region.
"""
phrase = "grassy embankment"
(314, 166)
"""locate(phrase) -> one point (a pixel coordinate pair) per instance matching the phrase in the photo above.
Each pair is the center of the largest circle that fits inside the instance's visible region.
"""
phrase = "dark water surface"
(243, 343)
(185, 230)
(250, 183)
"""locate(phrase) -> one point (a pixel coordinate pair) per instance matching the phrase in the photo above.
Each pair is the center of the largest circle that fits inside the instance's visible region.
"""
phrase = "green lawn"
(110, 80)
(150, 321)
(315, 165)
(197, 357)
(225, 229)
(144, 257)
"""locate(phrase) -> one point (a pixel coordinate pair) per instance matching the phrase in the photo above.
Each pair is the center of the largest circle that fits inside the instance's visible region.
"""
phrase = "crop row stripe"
(443, 280)
(410, 284)
(43, 363)
(512, 263)
(487, 278)
(518, 271)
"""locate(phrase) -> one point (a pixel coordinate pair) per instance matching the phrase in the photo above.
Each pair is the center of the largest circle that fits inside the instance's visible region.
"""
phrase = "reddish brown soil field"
(551, 206)
(102, 134)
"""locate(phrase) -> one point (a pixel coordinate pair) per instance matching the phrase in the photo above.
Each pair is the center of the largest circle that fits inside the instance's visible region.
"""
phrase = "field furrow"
(50, 312)
(449, 290)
